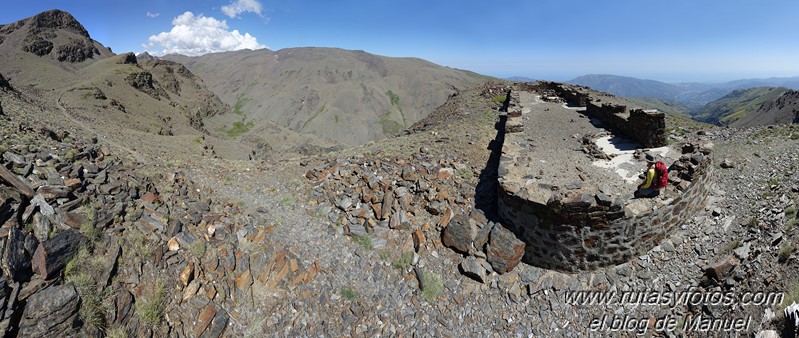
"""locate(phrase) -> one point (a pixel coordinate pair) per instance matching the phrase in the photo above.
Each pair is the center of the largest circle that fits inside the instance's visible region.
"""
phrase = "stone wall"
(588, 231)
(647, 127)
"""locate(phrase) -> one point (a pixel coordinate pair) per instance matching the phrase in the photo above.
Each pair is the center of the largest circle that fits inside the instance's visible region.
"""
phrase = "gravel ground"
(359, 292)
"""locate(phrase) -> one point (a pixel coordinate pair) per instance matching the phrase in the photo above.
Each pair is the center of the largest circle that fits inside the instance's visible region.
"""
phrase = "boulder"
(460, 233)
(719, 269)
(52, 310)
(505, 251)
(52, 255)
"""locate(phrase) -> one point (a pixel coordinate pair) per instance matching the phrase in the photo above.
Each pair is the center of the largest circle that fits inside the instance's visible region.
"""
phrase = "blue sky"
(672, 41)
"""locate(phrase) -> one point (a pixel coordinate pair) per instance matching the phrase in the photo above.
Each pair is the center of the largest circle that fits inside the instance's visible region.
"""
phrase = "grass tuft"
(117, 332)
(239, 128)
(286, 200)
(499, 99)
(785, 252)
(791, 296)
(466, 173)
(84, 272)
(198, 248)
(403, 262)
(433, 286)
(348, 294)
(150, 307)
(364, 242)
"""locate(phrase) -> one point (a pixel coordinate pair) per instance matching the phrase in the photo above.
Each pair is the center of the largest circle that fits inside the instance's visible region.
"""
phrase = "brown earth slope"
(350, 96)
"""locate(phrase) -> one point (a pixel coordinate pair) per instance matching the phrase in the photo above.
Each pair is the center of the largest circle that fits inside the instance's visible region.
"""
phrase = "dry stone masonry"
(579, 228)
(647, 127)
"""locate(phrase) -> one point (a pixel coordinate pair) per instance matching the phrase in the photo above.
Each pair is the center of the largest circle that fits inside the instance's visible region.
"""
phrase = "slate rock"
(52, 310)
(471, 267)
(16, 260)
(603, 199)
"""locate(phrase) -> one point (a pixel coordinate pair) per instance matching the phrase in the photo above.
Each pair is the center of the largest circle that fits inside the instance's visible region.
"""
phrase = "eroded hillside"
(349, 96)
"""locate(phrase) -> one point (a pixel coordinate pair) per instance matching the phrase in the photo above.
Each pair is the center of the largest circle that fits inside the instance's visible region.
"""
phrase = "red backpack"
(661, 175)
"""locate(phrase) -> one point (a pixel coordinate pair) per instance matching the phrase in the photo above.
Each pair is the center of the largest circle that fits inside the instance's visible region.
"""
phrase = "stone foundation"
(647, 127)
(586, 231)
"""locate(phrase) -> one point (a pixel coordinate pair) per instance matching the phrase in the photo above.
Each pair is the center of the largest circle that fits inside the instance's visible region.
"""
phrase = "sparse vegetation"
(773, 182)
(70, 154)
(198, 248)
(83, 271)
(433, 286)
(790, 212)
(465, 173)
(403, 262)
(286, 200)
(500, 99)
(318, 112)
(139, 245)
(87, 227)
(364, 242)
(239, 128)
(389, 126)
(117, 332)
(731, 246)
(394, 99)
(791, 295)
(152, 304)
(785, 251)
(348, 294)
(241, 100)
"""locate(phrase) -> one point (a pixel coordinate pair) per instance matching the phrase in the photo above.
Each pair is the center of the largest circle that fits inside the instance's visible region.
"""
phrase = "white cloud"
(242, 6)
(194, 35)
(153, 15)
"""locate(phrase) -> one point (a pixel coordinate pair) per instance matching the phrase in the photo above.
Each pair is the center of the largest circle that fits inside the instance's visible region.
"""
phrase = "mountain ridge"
(156, 103)
(693, 95)
(351, 96)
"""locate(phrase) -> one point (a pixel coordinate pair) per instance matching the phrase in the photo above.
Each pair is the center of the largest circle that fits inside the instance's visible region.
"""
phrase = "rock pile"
(429, 196)
(91, 243)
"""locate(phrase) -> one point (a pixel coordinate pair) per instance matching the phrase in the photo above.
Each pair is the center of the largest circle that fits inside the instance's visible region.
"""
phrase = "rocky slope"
(138, 237)
(349, 96)
(783, 109)
(737, 106)
(154, 104)
(694, 96)
(372, 240)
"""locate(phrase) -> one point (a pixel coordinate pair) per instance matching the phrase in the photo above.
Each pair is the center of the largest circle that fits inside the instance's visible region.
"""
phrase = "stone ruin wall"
(590, 231)
(645, 127)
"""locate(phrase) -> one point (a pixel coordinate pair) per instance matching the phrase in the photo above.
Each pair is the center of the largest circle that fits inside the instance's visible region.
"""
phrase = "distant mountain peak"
(54, 33)
(56, 19)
